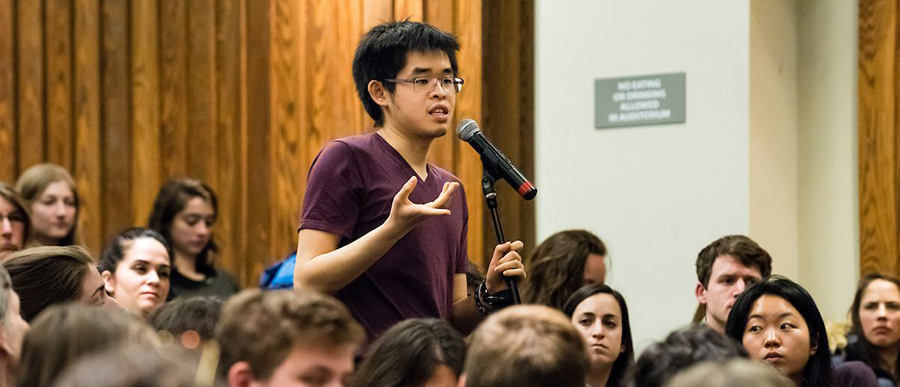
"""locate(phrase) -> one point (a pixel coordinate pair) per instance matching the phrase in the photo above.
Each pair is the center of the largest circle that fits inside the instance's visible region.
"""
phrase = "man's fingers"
(403, 194)
(517, 246)
(499, 251)
(446, 194)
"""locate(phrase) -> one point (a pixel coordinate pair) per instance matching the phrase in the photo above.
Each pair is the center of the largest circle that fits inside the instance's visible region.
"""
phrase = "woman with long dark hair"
(601, 317)
(561, 264)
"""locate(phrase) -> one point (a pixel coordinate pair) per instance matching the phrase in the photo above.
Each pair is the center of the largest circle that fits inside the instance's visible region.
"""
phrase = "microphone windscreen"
(466, 129)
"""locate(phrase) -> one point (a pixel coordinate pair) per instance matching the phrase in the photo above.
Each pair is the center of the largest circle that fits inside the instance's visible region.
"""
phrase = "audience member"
(526, 346)
(52, 199)
(185, 212)
(136, 268)
(66, 333)
(875, 329)
(601, 316)
(414, 353)
(734, 373)
(561, 264)
(272, 338)
(678, 352)
(15, 224)
(474, 277)
(778, 322)
(12, 331)
(726, 268)
(196, 315)
(43, 276)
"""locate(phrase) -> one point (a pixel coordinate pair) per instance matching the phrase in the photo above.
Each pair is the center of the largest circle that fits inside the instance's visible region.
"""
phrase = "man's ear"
(700, 293)
(109, 281)
(240, 375)
(378, 93)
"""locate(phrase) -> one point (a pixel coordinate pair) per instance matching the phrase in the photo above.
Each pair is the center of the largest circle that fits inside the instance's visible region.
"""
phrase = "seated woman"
(560, 265)
(185, 212)
(413, 353)
(136, 269)
(875, 329)
(48, 275)
(15, 224)
(52, 199)
(778, 322)
(601, 316)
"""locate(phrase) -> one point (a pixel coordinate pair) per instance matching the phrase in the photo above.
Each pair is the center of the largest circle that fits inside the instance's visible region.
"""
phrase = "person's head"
(136, 266)
(391, 54)
(52, 199)
(185, 212)
(726, 268)
(561, 264)
(47, 275)
(875, 318)
(735, 373)
(15, 224)
(188, 315)
(287, 337)
(601, 316)
(474, 277)
(680, 350)
(414, 353)
(778, 322)
(12, 326)
(526, 346)
(65, 333)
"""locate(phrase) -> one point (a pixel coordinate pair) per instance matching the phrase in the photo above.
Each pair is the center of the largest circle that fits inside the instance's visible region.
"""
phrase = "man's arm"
(324, 267)
(506, 262)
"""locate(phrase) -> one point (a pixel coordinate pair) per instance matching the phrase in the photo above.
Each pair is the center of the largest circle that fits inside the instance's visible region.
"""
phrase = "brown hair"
(35, 180)
(863, 348)
(171, 199)
(47, 275)
(262, 327)
(526, 346)
(748, 253)
(65, 333)
(7, 192)
(737, 372)
(556, 268)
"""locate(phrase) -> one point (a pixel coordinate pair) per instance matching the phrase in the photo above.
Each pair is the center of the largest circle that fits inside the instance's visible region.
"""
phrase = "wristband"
(488, 303)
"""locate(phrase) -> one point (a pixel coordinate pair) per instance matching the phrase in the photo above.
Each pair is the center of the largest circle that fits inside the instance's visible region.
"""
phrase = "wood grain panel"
(260, 245)
(413, 10)
(439, 14)
(877, 118)
(58, 32)
(8, 137)
(30, 87)
(376, 12)
(88, 172)
(201, 91)
(145, 169)
(173, 119)
(115, 118)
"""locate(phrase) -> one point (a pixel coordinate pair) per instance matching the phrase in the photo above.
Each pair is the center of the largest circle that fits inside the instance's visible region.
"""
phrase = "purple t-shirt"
(351, 186)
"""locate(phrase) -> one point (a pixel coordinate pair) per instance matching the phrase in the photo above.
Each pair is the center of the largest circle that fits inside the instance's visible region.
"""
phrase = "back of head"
(66, 333)
(262, 327)
(47, 275)
(556, 268)
(13, 198)
(744, 249)
(199, 314)
(735, 373)
(526, 346)
(680, 350)
(409, 353)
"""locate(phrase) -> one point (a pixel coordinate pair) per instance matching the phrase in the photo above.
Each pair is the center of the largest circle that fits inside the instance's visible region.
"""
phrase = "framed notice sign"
(639, 100)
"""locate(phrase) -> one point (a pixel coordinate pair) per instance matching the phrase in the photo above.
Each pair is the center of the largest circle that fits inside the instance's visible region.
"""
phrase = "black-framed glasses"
(450, 85)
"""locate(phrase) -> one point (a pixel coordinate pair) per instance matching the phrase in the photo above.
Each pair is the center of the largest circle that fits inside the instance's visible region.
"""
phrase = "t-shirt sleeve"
(462, 259)
(333, 190)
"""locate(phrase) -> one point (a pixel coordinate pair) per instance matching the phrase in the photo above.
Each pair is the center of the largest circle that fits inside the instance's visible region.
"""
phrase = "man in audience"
(526, 346)
(284, 337)
(12, 330)
(724, 269)
(680, 350)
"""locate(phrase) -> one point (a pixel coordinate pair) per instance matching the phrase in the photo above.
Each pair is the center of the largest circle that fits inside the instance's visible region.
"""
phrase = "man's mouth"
(439, 111)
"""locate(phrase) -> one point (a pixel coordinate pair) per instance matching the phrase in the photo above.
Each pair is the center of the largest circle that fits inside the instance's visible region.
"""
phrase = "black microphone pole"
(490, 196)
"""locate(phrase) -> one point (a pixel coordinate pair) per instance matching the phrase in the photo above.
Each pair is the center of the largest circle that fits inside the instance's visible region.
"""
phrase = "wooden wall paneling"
(228, 111)
(30, 87)
(877, 117)
(527, 219)
(58, 34)
(467, 23)
(413, 10)
(201, 91)
(145, 171)
(173, 87)
(115, 119)
(87, 123)
(260, 247)
(439, 13)
(376, 12)
(8, 137)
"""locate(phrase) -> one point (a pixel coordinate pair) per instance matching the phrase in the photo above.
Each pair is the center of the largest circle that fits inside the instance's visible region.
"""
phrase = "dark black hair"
(115, 250)
(682, 349)
(626, 359)
(199, 314)
(381, 54)
(171, 199)
(819, 371)
(409, 353)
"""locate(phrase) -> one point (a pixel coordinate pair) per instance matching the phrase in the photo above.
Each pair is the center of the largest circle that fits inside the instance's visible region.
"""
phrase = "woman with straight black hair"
(601, 317)
(413, 353)
(777, 322)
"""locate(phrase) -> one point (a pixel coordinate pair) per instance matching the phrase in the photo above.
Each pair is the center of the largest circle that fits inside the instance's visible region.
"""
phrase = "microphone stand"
(490, 196)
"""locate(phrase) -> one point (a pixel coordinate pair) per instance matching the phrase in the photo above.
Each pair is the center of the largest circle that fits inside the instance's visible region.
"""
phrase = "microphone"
(494, 160)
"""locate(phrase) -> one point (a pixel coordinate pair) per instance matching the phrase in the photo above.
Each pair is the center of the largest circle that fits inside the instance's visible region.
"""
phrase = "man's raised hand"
(406, 215)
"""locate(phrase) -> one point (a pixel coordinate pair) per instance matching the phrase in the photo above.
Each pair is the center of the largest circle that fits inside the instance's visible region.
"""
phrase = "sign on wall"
(639, 100)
